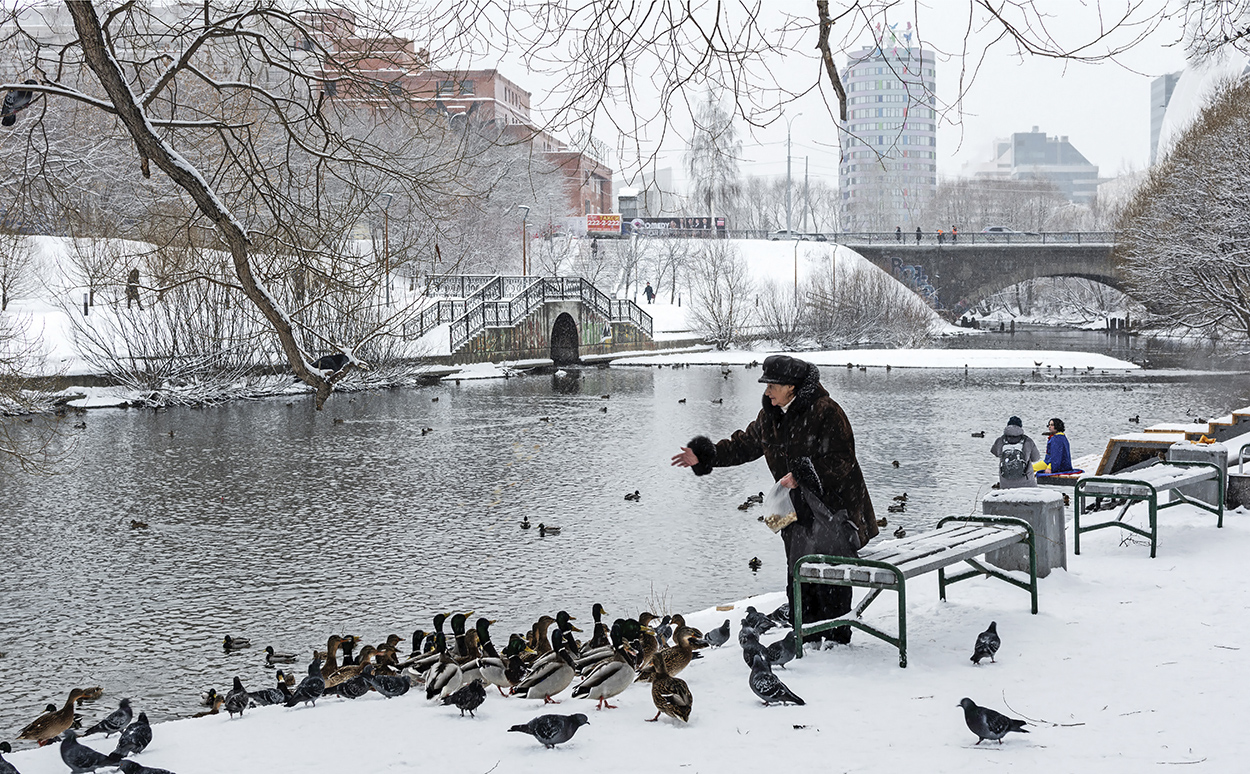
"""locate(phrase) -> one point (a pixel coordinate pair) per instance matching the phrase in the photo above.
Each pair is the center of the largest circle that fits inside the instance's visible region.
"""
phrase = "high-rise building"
(1034, 156)
(1160, 95)
(889, 159)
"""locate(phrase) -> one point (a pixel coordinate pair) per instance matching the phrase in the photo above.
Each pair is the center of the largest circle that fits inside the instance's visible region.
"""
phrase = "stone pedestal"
(1188, 451)
(1043, 509)
(1238, 490)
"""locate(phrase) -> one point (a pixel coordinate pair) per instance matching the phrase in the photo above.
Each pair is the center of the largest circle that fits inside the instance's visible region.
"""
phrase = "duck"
(208, 697)
(900, 533)
(900, 498)
(563, 633)
(1136, 418)
(331, 663)
(214, 707)
(91, 694)
(896, 508)
(444, 678)
(634, 497)
(602, 633)
(274, 657)
(349, 671)
(504, 670)
(676, 658)
(546, 680)
(611, 677)
(670, 695)
(881, 522)
(235, 643)
(894, 463)
(979, 434)
(754, 563)
(48, 726)
(544, 530)
(647, 641)
(525, 522)
(459, 650)
(758, 499)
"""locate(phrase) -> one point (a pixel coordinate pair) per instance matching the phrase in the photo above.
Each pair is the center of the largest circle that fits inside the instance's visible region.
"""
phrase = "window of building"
(445, 88)
(466, 87)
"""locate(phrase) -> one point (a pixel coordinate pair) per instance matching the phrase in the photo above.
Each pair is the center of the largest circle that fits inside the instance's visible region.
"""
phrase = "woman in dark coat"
(806, 440)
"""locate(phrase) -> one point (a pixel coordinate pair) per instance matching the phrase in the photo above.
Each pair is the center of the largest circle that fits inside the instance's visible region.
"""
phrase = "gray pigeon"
(757, 620)
(116, 721)
(237, 699)
(467, 697)
(352, 688)
(988, 724)
(781, 616)
(15, 102)
(768, 687)
(130, 767)
(749, 639)
(389, 686)
(987, 644)
(552, 730)
(5, 766)
(135, 738)
(80, 758)
(780, 652)
(310, 688)
(718, 636)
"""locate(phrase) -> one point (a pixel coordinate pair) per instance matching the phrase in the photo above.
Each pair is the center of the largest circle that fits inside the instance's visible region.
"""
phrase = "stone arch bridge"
(956, 277)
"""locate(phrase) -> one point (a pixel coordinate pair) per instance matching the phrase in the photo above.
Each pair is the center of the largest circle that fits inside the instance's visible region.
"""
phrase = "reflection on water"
(276, 522)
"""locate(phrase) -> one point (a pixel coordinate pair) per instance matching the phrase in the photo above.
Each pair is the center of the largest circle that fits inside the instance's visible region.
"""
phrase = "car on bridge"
(783, 234)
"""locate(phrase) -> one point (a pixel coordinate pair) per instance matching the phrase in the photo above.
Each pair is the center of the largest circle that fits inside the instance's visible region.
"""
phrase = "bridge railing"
(931, 237)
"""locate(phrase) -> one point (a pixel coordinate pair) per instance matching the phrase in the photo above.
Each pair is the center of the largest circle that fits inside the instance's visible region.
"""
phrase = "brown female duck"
(48, 726)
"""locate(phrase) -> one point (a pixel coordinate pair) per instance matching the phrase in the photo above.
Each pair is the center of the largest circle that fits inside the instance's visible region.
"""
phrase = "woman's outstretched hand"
(686, 458)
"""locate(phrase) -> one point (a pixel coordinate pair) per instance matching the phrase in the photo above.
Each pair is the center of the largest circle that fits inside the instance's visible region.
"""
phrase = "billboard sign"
(604, 223)
(675, 224)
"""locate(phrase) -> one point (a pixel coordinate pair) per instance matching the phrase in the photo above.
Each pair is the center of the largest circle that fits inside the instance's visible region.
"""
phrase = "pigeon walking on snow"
(988, 724)
(116, 721)
(718, 636)
(749, 639)
(757, 621)
(135, 738)
(768, 687)
(310, 688)
(780, 652)
(80, 758)
(987, 644)
(468, 697)
(237, 699)
(130, 767)
(552, 730)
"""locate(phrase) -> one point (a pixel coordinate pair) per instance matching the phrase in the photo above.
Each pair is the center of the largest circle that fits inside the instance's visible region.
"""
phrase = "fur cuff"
(805, 473)
(705, 450)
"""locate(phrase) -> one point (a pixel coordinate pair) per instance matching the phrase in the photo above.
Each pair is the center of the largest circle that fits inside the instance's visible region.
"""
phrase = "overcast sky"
(1103, 107)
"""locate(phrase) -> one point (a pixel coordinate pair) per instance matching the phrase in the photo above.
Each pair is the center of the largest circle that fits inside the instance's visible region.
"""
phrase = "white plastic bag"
(778, 508)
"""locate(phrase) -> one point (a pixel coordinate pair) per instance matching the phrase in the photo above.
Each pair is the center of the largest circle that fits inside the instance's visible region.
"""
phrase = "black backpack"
(1011, 461)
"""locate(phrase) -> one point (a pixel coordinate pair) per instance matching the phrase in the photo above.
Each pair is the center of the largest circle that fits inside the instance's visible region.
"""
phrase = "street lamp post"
(525, 213)
(789, 120)
(386, 242)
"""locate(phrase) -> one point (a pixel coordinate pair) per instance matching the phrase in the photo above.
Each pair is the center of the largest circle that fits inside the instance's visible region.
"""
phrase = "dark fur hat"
(783, 369)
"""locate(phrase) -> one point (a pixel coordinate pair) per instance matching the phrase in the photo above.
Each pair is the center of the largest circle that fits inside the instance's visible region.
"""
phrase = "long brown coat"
(813, 440)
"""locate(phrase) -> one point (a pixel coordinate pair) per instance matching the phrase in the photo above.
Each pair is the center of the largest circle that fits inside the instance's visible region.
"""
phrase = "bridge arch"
(564, 340)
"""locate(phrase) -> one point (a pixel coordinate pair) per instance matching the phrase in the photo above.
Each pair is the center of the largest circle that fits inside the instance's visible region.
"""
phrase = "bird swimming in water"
(768, 686)
(635, 496)
(987, 644)
(274, 657)
(988, 724)
(979, 434)
(544, 530)
(235, 643)
(525, 522)
(552, 730)
(900, 533)
(754, 563)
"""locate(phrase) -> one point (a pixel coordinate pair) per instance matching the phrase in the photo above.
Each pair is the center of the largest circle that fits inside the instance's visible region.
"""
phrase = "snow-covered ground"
(1130, 664)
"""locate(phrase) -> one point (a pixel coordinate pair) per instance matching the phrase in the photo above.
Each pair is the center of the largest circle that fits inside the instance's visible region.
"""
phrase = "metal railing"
(931, 237)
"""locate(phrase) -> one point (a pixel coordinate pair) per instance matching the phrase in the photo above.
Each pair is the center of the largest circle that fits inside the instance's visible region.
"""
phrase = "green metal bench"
(888, 566)
(1145, 485)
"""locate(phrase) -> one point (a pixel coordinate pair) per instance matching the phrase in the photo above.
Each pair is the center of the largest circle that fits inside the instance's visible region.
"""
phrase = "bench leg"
(902, 623)
(796, 615)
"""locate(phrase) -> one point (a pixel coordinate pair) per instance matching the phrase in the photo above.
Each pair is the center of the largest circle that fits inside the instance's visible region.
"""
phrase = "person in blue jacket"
(1058, 451)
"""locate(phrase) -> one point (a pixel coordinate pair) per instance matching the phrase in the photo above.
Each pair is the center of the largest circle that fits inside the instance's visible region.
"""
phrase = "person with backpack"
(1016, 454)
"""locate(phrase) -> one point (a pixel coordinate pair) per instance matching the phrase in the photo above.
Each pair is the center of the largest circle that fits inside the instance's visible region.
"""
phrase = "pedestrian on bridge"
(898, 233)
(917, 234)
(954, 234)
(806, 439)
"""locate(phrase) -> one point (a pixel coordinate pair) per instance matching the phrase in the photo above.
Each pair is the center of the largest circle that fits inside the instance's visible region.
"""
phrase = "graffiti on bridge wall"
(915, 278)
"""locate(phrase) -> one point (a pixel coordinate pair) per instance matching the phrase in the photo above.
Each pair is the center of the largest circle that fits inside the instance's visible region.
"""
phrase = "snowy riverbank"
(1131, 663)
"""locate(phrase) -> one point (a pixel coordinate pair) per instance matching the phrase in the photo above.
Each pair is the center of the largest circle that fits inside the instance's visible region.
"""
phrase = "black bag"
(819, 530)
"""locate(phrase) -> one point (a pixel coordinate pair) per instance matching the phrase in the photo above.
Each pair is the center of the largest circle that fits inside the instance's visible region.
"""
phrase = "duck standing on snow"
(48, 726)
(670, 695)
(548, 679)
(610, 678)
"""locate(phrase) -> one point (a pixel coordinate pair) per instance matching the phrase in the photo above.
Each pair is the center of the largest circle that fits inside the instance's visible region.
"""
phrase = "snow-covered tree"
(1185, 238)
(711, 161)
(721, 290)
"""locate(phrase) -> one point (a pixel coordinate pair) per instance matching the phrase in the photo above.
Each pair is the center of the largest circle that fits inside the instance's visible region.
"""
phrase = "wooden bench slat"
(925, 553)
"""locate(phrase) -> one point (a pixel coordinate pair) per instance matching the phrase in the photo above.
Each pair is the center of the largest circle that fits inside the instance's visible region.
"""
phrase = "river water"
(272, 521)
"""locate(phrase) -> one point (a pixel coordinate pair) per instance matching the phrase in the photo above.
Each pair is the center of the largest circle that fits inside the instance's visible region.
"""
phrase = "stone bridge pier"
(955, 278)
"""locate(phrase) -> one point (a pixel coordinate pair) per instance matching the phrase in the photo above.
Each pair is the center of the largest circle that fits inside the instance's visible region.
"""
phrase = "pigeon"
(135, 738)
(389, 686)
(15, 102)
(468, 697)
(749, 639)
(780, 652)
(987, 644)
(757, 621)
(80, 757)
(718, 636)
(352, 688)
(5, 766)
(552, 730)
(116, 721)
(988, 724)
(130, 767)
(237, 699)
(768, 687)
(310, 688)
(266, 697)
(781, 616)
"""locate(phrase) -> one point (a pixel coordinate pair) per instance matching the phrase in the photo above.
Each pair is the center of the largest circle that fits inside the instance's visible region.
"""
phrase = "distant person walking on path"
(954, 234)
(649, 293)
(917, 234)
(132, 289)
(898, 233)
(1016, 454)
(941, 236)
(1058, 451)
(806, 439)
